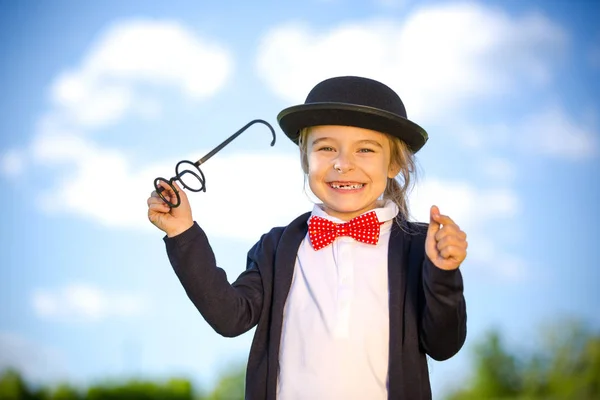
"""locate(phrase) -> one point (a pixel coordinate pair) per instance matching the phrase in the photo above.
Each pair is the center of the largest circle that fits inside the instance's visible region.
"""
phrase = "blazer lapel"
(285, 260)
(397, 260)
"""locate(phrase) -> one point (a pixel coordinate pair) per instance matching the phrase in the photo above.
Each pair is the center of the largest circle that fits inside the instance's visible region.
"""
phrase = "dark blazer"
(427, 306)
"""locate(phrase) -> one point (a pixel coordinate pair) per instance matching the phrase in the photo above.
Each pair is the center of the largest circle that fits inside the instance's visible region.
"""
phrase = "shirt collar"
(386, 212)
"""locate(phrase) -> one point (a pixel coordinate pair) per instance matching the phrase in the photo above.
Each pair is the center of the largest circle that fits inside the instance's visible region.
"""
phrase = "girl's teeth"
(347, 187)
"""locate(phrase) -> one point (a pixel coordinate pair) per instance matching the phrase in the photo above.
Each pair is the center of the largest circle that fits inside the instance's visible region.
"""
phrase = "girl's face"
(348, 168)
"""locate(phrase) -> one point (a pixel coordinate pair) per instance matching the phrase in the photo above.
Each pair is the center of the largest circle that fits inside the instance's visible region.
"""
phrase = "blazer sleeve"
(230, 309)
(443, 317)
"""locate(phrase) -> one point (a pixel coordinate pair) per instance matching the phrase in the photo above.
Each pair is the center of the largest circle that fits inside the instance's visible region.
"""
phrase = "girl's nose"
(343, 164)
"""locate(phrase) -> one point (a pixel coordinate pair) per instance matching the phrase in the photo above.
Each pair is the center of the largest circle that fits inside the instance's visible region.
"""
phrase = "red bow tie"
(364, 228)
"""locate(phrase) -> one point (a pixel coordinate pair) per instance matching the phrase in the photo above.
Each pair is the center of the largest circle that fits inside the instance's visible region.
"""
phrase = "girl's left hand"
(446, 244)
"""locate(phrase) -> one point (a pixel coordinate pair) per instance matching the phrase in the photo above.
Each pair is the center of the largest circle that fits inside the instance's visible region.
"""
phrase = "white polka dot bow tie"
(364, 228)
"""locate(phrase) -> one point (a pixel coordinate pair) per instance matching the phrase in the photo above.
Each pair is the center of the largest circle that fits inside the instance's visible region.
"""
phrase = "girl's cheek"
(315, 162)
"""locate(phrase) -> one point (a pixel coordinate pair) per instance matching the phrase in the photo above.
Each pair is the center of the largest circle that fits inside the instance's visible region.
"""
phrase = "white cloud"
(466, 204)
(12, 163)
(241, 183)
(499, 169)
(34, 361)
(440, 68)
(485, 257)
(103, 88)
(108, 85)
(100, 182)
(438, 58)
(483, 137)
(474, 210)
(552, 132)
(549, 131)
(56, 148)
(83, 302)
(392, 3)
(233, 182)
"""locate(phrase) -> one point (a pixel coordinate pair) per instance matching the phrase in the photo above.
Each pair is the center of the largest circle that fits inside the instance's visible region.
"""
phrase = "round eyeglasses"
(190, 175)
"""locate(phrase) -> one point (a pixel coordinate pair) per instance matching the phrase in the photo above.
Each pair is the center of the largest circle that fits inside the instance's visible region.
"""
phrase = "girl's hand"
(446, 244)
(172, 221)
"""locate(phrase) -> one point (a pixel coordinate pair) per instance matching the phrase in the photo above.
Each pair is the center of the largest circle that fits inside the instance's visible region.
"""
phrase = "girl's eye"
(365, 150)
(326, 148)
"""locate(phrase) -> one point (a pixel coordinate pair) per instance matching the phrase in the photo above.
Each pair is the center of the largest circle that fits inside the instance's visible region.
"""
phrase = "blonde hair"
(397, 188)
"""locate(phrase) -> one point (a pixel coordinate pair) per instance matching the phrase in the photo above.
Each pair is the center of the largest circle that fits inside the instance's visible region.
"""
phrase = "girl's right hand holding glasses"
(171, 220)
(168, 206)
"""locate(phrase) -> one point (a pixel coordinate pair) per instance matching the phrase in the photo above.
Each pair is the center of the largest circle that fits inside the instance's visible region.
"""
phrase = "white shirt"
(335, 337)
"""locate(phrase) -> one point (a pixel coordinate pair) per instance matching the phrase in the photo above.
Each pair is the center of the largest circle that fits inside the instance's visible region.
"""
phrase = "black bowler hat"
(353, 101)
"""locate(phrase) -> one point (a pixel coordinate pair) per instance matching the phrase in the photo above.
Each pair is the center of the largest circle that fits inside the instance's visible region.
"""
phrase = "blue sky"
(99, 99)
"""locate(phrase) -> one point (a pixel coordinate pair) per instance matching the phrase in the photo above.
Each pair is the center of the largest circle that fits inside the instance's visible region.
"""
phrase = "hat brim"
(293, 119)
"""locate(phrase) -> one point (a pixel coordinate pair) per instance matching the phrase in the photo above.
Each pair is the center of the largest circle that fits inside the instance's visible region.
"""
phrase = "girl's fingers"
(451, 241)
(155, 200)
(167, 191)
(455, 252)
(450, 230)
(158, 205)
(442, 219)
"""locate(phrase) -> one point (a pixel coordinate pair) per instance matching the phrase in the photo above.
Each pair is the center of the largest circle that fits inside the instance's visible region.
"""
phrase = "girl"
(349, 299)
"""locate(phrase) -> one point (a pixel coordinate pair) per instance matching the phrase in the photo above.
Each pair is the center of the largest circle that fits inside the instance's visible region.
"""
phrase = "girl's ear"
(304, 161)
(303, 146)
(393, 170)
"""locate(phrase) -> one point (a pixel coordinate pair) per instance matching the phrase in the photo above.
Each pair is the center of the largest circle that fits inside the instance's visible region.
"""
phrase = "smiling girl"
(349, 299)
(365, 163)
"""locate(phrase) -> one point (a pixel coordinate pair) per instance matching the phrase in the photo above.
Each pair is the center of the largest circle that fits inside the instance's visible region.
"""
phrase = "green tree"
(63, 392)
(13, 387)
(495, 372)
(174, 389)
(566, 366)
(230, 386)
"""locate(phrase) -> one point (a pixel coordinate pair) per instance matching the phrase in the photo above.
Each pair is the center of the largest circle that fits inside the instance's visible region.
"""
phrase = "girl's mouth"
(347, 186)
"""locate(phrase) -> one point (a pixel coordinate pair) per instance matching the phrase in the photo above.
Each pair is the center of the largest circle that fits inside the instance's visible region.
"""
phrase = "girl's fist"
(172, 221)
(445, 245)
